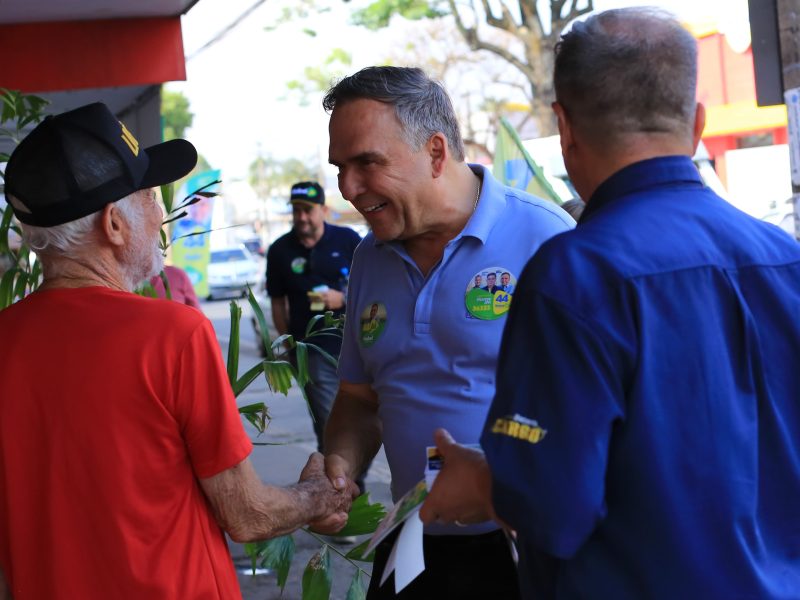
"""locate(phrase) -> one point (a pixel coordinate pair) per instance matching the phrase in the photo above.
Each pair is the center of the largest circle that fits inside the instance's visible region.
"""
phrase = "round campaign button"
(298, 265)
(489, 293)
(372, 323)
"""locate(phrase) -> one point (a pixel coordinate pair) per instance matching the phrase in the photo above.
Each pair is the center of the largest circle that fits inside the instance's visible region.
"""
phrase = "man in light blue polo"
(409, 360)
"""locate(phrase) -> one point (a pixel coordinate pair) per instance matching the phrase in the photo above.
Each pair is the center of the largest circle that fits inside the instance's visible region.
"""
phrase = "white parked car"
(231, 270)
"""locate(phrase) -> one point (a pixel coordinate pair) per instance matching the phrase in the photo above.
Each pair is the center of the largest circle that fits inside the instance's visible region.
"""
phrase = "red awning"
(70, 55)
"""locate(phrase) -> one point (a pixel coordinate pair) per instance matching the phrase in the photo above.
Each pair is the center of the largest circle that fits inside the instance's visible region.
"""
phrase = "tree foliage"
(481, 85)
(318, 78)
(533, 24)
(177, 117)
(269, 176)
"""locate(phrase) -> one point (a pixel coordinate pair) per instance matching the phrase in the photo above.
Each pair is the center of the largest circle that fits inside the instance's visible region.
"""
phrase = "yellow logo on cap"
(128, 138)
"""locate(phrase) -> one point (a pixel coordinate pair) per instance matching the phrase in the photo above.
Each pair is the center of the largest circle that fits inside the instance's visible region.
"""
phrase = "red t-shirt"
(112, 406)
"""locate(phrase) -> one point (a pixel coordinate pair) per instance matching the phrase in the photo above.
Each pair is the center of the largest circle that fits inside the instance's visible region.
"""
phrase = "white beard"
(141, 259)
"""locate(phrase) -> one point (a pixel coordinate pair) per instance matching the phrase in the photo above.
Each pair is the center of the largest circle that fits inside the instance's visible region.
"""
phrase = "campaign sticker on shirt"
(373, 322)
(489, 293)
(298, 265)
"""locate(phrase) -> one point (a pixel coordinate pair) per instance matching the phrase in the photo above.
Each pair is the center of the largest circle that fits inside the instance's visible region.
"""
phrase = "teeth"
(374, 208)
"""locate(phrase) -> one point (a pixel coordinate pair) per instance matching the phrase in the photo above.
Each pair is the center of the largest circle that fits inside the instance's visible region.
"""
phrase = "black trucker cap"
(307, 191)
(73, 164)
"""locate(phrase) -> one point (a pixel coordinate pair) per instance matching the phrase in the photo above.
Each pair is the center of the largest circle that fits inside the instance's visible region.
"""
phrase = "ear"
(439, 153)
(113, 225)
(699, 125)
(564, 127)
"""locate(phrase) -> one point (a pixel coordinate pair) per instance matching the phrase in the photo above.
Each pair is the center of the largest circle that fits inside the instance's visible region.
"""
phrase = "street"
(281, 464)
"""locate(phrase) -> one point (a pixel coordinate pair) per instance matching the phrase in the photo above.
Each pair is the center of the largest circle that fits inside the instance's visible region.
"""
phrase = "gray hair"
(421, 104)
(69, 238)
(629, 70)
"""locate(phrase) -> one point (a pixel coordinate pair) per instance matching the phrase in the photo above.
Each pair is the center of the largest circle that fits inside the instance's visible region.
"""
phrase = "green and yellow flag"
(515, 167)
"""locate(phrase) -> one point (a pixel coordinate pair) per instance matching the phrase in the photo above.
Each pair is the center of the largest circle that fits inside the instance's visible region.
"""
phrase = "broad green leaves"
(363, 517)
(24, 273)
(356, 591)
(317, 576)
(276, 554)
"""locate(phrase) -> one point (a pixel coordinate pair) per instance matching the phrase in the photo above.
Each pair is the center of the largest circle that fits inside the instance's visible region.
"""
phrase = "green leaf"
(165, 281)
(22, 285)
(262, 323)
(363, 516)
(276, 554)
(257, 414)
(180, 215)
(245, 380)
(7, 287)
(279, 375)
(356, 591)
(380, 12)
(277, 343)
(167, 196)
(35, 278)
(233, 344)
(317, 576)
(325, 354)
(357, 552)
(5, 226)
(301, 356)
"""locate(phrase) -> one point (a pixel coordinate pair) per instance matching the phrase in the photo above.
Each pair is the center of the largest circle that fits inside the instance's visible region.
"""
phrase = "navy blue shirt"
(294, 270)
(644, 439)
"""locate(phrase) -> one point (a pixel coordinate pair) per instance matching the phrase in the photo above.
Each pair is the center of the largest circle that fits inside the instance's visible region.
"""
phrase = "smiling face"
(504, 279)
(379, 173)
(491, 280)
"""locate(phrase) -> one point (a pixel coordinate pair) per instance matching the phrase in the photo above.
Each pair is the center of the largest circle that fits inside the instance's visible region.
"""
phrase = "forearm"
(354, 432)
(280, 314)
(249, 510)
(275, 511)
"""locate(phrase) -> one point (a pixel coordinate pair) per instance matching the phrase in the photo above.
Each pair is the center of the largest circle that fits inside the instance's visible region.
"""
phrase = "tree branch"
(558, 21)
(470, 35)
(506, 22)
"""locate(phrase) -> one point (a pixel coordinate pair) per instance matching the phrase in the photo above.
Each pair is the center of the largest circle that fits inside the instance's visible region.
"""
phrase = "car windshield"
(232, 255)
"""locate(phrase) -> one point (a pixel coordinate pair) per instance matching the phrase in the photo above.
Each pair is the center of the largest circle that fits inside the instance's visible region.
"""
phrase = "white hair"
(69, 238)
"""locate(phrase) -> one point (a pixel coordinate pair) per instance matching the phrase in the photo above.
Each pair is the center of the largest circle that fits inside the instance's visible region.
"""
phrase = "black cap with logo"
(73, 164)
(307, 191)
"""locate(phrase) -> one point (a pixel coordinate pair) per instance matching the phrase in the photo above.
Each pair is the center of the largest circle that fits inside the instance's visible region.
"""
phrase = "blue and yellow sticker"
(372, 323)
(489, 293)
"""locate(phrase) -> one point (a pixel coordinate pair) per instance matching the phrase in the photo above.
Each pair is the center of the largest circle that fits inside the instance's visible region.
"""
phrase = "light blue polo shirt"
(430, 359)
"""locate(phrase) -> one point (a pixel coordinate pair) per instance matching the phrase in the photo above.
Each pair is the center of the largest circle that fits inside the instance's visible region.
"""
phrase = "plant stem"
(335, 549)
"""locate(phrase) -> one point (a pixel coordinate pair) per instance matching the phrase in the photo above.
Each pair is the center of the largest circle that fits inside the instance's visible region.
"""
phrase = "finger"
(336, 469)
(314, 466)
(427, 514)
(444, 441)
(330, 524)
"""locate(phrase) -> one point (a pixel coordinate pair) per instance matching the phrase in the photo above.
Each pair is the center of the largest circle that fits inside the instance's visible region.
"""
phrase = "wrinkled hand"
(463, 488)
(333, 299)
(333, 500)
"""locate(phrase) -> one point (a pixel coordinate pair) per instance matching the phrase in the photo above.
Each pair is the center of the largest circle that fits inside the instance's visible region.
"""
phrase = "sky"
(237, 86)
